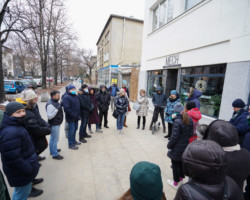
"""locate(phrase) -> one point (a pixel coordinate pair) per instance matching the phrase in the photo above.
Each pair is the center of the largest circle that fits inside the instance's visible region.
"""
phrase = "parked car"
(28, 77)
(29, 83)
(13, 86)
(38, 82)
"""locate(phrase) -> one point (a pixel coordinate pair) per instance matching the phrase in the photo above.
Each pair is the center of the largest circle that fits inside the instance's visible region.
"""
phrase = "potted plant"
(216, 101)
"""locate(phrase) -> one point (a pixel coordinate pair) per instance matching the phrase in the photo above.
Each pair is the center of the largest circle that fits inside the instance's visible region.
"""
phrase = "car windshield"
(8, 83)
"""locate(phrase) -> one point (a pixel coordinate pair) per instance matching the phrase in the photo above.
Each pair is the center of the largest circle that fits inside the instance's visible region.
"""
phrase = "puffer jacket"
(238, 160)
(121, 104)
(169, 110)
(205, 163)
(19, 158)
(71, 107)
(103, 99)
(195, 114)
(195, 98)
(179, 138)
(239, 120)
(143, 101)
(159, 100)
(37, 128)
(86, 105)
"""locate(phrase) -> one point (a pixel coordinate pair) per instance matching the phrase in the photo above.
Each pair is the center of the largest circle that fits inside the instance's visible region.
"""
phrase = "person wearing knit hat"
(71, 87)
(179, 140)
(145, 183)
(19, 158)
(84, 86)
(239, 118)
(169, 110)
(28, 95)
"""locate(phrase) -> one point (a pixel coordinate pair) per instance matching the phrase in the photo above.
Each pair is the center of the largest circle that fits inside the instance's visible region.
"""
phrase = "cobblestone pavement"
(99, 169)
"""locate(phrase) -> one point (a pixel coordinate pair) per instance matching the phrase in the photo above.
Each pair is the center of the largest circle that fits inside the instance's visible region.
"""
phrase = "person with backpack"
(169, 110)
(205, 163)
(18, 155)
(179, 140)
(113, 90)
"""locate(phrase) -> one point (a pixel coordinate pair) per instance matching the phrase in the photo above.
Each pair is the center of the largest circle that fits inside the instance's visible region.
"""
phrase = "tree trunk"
(2, 93)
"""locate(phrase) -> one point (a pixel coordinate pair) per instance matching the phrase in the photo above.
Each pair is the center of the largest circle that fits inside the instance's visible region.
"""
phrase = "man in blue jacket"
(18, 155)
(71, 107)
(113, 92)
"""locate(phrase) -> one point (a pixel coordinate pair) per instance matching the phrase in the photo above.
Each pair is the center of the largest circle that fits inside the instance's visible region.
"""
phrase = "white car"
(38, 82)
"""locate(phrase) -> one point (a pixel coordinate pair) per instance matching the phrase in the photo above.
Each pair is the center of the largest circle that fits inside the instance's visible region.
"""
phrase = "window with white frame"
(106, 56)
(107, 38)
(162, 14)
(191, 3)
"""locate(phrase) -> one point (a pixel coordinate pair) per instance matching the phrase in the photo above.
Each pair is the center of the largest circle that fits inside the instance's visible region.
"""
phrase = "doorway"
(171, 82)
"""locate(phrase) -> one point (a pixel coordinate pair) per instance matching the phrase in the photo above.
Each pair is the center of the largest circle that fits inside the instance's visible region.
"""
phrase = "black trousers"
(139, 120)
(170, 127)
(105, 115)
(177, 170)
(158, 110)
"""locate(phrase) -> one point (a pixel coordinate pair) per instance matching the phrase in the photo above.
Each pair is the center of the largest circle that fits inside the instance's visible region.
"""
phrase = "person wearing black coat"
(103, 99)
(86, 108)
(238, 160)
(160, 101)
(179, 140)
(19, 159)
(121, 104)
(204, 162)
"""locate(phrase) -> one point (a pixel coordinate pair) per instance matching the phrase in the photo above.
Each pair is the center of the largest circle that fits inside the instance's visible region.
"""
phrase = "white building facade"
(200, 43)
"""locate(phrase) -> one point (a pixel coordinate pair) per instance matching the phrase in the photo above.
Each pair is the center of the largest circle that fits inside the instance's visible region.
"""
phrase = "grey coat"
(143, 101)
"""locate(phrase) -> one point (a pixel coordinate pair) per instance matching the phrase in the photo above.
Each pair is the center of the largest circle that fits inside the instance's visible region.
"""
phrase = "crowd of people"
(214, 157)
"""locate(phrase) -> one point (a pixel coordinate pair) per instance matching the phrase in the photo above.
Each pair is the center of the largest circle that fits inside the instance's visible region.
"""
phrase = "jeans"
(177, 170)
(73, 126)
(54, 138)
(97, 127)
(83, 127)
(112, 102)
(22, 193)
(120, 121)
(105, 115)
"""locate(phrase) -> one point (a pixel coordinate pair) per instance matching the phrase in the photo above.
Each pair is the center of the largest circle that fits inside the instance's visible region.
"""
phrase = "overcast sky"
(90, 17)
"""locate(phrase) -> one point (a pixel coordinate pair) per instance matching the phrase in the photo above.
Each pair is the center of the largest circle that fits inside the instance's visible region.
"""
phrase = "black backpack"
(205, 194)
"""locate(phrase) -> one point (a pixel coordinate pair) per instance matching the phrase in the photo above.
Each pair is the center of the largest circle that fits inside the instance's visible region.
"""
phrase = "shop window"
(155, 79)
(209, 80)
(191, 3)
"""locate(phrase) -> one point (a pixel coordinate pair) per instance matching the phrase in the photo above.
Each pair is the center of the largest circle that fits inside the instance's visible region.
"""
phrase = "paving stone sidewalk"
(99, 169)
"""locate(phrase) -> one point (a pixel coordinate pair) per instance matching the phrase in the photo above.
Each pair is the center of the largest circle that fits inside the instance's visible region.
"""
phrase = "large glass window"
(162, 14)
(191, 3)
(209, 80)
(155, 79)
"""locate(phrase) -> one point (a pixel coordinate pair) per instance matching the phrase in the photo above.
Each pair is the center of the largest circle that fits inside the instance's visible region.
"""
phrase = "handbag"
(116, 114)
(137, 106)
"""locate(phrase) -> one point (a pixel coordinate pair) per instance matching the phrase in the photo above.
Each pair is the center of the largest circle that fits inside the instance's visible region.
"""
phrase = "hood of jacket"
(8, 121)
(196, 94)
(222, 132)
(159, 88)
(195, 114)
(205, 162)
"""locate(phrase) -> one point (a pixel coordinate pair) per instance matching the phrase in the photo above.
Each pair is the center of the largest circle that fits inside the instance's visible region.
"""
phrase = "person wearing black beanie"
(239, 118)
(13, 107)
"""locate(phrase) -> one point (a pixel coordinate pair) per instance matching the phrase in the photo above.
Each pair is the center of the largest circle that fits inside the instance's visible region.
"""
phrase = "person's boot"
(150, 127)
(35, 192)
(164, 129)
(138, 126)
(124, 123)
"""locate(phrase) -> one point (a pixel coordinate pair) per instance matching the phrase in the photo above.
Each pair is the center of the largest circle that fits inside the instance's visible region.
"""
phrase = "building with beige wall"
(120, 43)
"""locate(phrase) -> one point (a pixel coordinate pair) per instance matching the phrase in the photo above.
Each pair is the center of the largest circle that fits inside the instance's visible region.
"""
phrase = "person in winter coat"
(239, 118)
(94, 117)
(36, 126)
(19, 158)
(238, 160)
(113, 90)
(127, 95)
(71, 107)
(143, 111)
(66, 125)
(4, 193)
(121, 104)
(169, 110)
(86, 108)
(55, 118)
(103, 99)
(145, 183)
(195, 114)
(159, 101)
(181, 132)
(194, 95)
(204, 162)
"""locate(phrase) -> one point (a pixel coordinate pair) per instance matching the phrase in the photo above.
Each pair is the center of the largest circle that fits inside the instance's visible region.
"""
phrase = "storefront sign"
(172, 61)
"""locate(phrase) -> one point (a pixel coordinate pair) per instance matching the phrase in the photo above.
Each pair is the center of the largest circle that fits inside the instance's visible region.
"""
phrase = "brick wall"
(134, 83)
